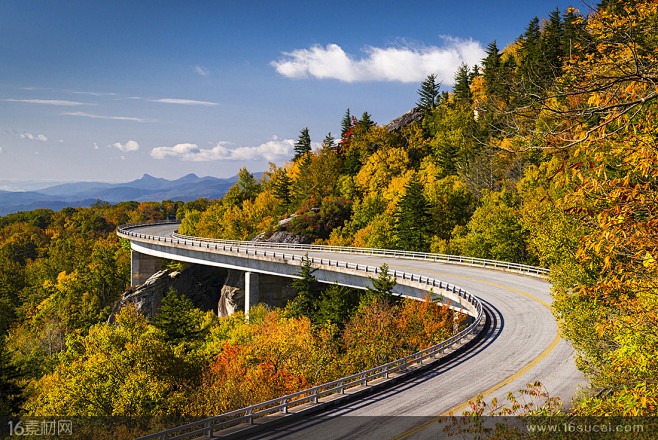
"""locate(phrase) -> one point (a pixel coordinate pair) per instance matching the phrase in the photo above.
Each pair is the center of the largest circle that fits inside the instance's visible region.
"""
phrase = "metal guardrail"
(283, 404)
(454, 259)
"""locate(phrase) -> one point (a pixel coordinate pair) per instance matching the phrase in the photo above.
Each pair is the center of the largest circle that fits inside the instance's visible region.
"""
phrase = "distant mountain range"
(148, 188)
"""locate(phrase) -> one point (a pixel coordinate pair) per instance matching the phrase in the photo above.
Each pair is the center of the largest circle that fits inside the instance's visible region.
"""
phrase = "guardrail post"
(314, 396)
(249, 420)
(285, 408)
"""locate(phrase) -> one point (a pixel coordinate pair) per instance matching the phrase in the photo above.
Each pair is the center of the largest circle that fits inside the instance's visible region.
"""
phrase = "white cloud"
(116, 118)
(96, 147)
(30, 136)
(404, 64)
(184, 101)
(128, 146)
(270, 151)
(0, 149)
(201, 70)
(94, 93)
(48, 102)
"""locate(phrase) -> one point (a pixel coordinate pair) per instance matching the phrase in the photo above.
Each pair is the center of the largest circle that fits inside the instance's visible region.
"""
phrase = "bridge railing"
(340, 386)
(454, 259)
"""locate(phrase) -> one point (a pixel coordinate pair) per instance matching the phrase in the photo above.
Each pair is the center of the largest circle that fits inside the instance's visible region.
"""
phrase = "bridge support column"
(142, 267)
(251, 291)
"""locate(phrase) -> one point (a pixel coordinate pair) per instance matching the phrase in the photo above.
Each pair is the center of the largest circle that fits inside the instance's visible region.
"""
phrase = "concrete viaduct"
(522, 343)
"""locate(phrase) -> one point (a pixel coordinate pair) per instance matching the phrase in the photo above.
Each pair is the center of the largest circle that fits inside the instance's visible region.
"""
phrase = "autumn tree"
(598, 122)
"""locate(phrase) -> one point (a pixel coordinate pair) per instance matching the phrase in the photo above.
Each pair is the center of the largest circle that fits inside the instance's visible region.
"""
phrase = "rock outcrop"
(288, 237)
(201, 284)
(232, 294)
(413, 115)
(283, 236)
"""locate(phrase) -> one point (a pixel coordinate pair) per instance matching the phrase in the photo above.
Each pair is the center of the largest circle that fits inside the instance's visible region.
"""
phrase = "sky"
(111, 90)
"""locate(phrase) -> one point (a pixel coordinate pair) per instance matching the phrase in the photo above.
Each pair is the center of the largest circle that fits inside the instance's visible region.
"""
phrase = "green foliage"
(306, 303)
(303, 144)
(412, 218)
(381, 289)
(178, 320)
(319, 222)
(428, 93)
(495, 231)
(11, 397)
(246, 188)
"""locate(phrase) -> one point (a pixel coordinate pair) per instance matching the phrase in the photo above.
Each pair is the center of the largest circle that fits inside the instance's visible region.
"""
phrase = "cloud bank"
(184, 102)
(32, 137)
(128, 146)
(273, 150)
(48, 102)
(115, 118)
(403, 64)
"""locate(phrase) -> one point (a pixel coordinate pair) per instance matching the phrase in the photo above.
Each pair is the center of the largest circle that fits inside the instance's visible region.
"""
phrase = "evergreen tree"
(429, 94)
(307, 301)
(346, 124)
(492, 67)
(551, 47)
(246, 188)
(10, 392)
(303, 144)
(329, 142)
(281, 187)
(177, 319)
(531, 66)
(574, 36)
(462, 88)
(382, 286)
(364, 123)
(411, 218)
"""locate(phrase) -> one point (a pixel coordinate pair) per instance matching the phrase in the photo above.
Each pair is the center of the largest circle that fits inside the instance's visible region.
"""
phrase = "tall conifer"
(429, 93)
(303, 144)
(411, 218)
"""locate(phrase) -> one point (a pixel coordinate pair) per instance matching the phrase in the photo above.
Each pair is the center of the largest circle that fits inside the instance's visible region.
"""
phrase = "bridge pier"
(251, 290)
(142, 266)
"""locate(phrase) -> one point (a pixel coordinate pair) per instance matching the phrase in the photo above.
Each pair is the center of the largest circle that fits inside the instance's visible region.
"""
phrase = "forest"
(544, 153)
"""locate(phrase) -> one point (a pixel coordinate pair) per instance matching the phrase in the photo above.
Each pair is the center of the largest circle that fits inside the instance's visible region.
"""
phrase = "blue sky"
(110, 90)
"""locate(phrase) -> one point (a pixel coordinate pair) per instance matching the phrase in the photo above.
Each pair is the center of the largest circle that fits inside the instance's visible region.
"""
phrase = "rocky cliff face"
(413, 115)
(201, 284)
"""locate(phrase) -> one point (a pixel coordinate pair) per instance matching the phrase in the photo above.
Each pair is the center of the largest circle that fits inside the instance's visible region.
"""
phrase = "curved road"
(522, 345)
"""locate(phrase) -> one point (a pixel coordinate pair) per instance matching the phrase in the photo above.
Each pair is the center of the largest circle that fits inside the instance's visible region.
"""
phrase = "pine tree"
(411, 218)
(346, 124)
(281, 187)
(382, 286)
(429, 94)
(329, 142)
(307, 301)
(551, 47)
(177, 320)
(303, 144)
(492, 68)
(364, 123)
(462, 88)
